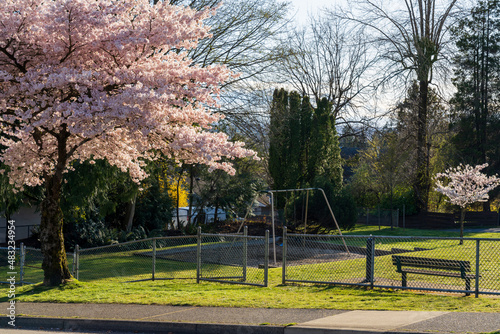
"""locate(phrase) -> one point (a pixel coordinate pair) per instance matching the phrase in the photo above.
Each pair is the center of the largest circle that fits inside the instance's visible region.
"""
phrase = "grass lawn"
(409, 232)
(187, 292)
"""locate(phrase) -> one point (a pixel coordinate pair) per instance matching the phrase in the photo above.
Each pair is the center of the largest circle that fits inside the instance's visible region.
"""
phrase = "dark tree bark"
(55, 263)
(422, 181)
(129, 216)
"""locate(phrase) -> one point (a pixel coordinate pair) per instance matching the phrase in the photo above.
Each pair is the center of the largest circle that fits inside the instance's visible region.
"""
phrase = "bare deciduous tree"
(243, 37)
(328, 59)
(410, 36)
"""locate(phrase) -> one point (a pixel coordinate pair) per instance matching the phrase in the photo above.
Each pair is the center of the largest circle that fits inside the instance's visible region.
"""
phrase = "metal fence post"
(154, 258)
(245, 252)
(77, 262)
(370, 260)
(283, 256)
(198, 257)
(73, 265)
(477, 267)
(22, 256)
(266, 259)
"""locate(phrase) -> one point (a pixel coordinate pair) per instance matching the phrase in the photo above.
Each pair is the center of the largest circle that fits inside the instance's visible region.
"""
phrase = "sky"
(302, 8)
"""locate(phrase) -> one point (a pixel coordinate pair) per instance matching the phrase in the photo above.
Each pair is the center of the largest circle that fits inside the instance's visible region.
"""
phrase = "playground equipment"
(272, 193)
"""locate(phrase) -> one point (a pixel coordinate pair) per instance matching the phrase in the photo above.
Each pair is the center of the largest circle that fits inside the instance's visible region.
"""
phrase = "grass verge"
(409, 232)
(188, 293)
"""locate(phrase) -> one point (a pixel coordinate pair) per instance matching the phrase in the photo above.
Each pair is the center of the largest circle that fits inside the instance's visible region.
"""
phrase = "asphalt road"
(27, 331)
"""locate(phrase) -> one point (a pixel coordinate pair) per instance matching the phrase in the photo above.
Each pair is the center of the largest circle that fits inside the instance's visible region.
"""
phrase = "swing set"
(286, 191)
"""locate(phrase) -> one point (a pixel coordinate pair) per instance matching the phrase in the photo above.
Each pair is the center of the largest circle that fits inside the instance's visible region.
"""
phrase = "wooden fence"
(436, 220)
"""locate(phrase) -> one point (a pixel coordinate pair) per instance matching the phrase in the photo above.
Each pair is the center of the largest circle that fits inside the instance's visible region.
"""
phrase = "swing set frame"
(271, 194)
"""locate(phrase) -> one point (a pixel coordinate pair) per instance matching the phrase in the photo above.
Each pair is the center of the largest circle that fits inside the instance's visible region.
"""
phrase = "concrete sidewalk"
(212, 320)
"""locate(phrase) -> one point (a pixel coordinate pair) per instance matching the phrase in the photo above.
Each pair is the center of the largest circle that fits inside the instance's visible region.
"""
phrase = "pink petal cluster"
(99, 79)
(466, 184)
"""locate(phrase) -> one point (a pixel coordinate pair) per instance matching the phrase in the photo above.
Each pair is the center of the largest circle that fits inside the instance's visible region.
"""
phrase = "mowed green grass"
(187, 292)
(103, 276)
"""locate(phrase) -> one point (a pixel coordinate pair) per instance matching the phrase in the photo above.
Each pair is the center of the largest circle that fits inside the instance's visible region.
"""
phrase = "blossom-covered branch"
(102, 75)
(85, 80)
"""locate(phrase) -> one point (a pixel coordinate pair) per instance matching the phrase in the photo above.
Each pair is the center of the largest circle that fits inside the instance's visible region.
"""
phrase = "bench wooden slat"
(422, 262)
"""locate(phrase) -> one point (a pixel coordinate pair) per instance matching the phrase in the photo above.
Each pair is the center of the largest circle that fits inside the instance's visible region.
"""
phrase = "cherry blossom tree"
(466, 185)
(87, 80)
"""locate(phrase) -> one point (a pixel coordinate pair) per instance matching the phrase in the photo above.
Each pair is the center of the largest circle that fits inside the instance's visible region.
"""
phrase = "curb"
(150, 327)
(141, 327)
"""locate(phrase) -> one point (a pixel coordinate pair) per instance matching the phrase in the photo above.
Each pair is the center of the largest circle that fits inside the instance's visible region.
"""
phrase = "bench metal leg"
(467, 286)
(403, 280)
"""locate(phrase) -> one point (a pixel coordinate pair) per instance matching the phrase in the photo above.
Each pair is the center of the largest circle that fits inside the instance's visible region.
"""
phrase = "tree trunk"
(216, 216)
(55, 263)
(177, 200)
(129, 216)
(462, 218)
(422, 182)
(191, 187)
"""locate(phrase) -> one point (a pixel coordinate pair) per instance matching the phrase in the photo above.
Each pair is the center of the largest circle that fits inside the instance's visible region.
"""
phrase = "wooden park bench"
(436, 267)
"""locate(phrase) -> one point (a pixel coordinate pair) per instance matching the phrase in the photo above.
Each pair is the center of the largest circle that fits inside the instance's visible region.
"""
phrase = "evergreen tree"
(277, 139)
(304, 152)
(303, 142)
(325, 158)
(306, 119)
(477, 80)
(293, 141)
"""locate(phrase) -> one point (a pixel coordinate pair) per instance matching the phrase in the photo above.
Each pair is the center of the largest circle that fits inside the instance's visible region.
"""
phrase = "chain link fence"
(466, 265)
(149, 259)
(381, 217)
(210, 257)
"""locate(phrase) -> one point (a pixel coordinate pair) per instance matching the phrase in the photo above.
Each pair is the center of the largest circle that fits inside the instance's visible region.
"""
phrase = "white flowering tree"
(465, 185)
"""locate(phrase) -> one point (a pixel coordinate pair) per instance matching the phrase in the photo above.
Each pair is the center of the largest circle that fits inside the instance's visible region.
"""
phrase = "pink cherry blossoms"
(108, 80)
(467, 185)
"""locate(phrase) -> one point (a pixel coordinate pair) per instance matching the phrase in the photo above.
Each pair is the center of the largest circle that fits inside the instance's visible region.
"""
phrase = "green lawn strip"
(408, 232)
(188, 293)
